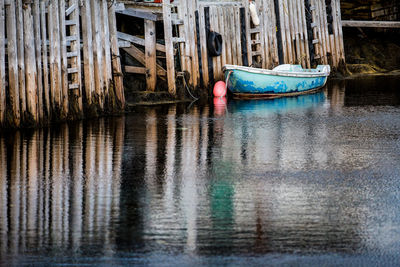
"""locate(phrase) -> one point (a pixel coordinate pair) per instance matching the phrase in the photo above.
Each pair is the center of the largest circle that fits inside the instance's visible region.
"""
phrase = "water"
(311, 180)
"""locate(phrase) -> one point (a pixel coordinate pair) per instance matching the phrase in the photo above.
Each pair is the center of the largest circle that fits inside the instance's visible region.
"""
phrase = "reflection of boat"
(279, 105)
(284, 80)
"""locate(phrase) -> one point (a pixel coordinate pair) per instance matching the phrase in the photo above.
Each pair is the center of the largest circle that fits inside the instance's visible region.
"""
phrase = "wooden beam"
(371, 24)
(137, 40)
(150, 54)
(133, 12)
(140, 56)
(142, 70)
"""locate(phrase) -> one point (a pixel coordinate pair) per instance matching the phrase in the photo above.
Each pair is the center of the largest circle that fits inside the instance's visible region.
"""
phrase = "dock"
(61, 60)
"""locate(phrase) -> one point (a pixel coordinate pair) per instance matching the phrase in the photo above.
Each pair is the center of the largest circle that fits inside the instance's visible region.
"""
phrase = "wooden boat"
(284, 80)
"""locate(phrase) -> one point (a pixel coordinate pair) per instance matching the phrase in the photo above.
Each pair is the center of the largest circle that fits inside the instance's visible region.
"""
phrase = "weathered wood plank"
(339, 36)
(30, 69)
(55, 58)
(97, 53)
(116, 63)
(203, 42)
(371, 24)
(193, 44)
(138, 40)
(12, 52)
(142, 70)
(21, 61)
(237, 34)
(105, 44)
(38, 55)
(2, 66)
(141, 58)
(150, 54)
(64, 61)
(137, 13)
(76, 61)
(88, 60)
(169, 46)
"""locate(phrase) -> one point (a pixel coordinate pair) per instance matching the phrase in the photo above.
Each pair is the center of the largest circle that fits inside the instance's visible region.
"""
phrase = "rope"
(187, 88)
(226, 82)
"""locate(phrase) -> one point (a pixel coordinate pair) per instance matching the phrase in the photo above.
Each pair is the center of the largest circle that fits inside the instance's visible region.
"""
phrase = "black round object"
(214, 44)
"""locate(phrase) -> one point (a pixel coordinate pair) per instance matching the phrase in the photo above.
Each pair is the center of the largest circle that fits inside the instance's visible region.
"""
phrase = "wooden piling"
(97, 53)
(32, 115)
(75, 69)
(2, 65)
(21, 62)
(54, 59)
(88, 61)
(105, 44)
(203, 40)
(38, 57)
(64, 61)
(193, 42)
(45, 66)
(12, 51)
(169, 46)
(150, 54)
(116, 63)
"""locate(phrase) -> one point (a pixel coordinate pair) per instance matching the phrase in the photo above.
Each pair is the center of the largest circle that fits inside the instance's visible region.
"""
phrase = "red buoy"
(219, 89)
(219, 106)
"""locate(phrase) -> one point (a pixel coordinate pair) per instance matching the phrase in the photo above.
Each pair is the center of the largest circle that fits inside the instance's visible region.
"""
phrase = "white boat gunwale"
(297, 74)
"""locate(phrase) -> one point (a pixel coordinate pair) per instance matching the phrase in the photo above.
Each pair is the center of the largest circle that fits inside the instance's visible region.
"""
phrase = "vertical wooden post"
(64, 60)
(337, 18)
(87, 38)
(150, 54)
(97, 52)
(248, 34)
(13, 84)
(222, 30)
(237, 36)
(227, 41)
(21, 63)
(46, 85)
(169, 46)
(30, 66)
(75, 62)
(2, 65)
(106, 57)
(38, 48)
(116, 63)
(193, 42)
(55, 64)
(203, 40)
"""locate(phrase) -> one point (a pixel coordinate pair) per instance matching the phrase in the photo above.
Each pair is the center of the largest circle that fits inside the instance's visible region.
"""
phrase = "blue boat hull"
(271, 84)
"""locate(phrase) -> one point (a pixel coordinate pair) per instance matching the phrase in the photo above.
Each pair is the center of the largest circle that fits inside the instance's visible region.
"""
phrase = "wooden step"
(73, 86)
(71, 38)
(178, 39)
(70, 9)
(73, 70)
(72, 54)
(70, 22)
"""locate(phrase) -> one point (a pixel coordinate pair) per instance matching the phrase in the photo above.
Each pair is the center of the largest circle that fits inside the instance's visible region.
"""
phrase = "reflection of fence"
(60, 186)
(41, 72)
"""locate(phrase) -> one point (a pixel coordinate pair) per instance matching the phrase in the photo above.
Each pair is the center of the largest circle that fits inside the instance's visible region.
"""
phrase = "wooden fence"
(42, 75)
(306, 32)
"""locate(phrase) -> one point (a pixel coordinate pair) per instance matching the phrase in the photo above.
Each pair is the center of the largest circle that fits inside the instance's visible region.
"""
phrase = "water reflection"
(60, 188)
(306, 175)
